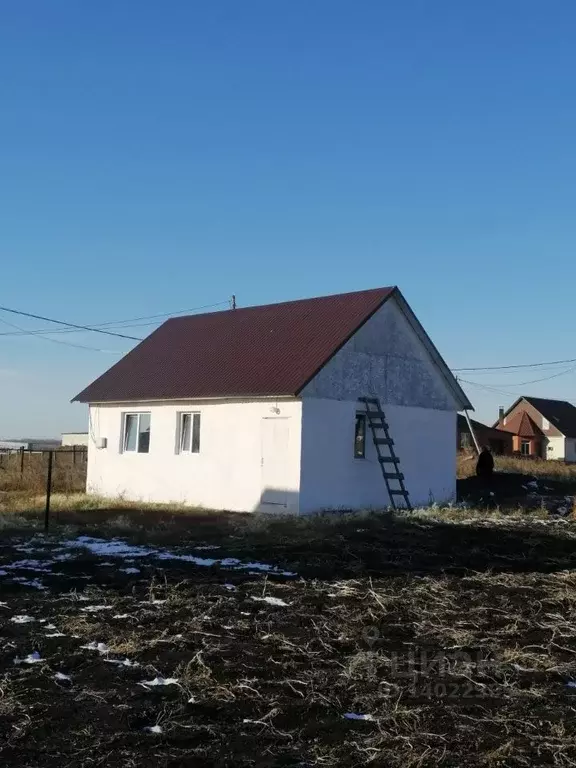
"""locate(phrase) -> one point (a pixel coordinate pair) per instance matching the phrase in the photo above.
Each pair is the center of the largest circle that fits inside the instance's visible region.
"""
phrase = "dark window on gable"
(360, 436)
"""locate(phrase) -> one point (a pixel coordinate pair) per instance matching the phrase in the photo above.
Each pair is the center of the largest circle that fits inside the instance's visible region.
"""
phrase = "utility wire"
(507, 367)
(68, 325)
(130, 323)
(66, 343)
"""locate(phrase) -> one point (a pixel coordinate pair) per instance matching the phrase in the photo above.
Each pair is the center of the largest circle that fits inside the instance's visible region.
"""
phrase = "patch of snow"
(35, 583)
(159, 681)
(571, 684)
(3, 573)
(231, 587)
(120, 548)
(271, 600)
(94, 646)
(96, 608)
(105, 565)
(153, 729)
(109, 547)
(50, 626)
(55, 634)
(22, 618)
(3, 604)
(354, 716)
(154, 601)
(29, 565)
(129, 570)
(208, 546)
(32, 658)
(63, 677)
(122, 662)
(121, 616)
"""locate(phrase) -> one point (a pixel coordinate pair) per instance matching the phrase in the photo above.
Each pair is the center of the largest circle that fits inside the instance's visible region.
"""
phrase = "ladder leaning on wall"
(389, 462)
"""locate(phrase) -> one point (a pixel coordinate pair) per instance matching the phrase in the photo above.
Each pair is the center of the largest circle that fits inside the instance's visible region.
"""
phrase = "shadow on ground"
(337, 546)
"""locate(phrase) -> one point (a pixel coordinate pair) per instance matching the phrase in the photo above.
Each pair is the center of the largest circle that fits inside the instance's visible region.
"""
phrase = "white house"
(74, 438)
(541, 427)
(258, 409)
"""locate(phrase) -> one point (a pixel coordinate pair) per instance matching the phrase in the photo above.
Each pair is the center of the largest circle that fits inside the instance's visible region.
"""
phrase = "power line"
(494, 388)
(68, 325)
(129, 323)
(507, 367)
(66, 343)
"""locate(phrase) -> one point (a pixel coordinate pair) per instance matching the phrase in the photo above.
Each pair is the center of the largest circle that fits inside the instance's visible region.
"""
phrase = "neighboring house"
(498, 440)
(74, 438)
(541, 427)
(257, 408)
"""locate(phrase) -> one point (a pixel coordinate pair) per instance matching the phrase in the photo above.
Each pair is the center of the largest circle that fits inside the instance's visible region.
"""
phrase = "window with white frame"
(545, 424)
(136, 435)
(189, 433)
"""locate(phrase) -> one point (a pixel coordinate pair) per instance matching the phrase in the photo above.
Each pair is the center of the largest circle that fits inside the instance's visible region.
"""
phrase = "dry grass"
(31, 474)
(553, 470)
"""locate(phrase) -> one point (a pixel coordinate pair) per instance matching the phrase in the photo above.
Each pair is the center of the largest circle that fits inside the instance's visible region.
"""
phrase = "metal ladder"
(381, 437)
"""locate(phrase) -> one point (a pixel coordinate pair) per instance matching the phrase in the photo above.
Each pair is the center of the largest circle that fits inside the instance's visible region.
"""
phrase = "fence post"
(22, 460)
(74, 454)
(48, 491)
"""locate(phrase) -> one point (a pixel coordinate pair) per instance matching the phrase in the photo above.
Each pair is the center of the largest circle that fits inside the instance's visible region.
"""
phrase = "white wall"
(570, 451)
(385, 359)
(332, 478)
(226, 474)
(74, 438)
(555, 448)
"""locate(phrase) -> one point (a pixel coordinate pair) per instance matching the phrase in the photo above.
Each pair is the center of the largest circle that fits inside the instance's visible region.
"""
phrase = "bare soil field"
(229, 640)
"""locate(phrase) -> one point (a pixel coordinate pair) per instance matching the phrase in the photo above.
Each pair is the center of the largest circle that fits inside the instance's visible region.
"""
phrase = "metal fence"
(78, 453)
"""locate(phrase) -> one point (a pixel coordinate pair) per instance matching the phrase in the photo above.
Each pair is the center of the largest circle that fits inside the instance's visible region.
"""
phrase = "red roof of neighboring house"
(560, 413)
(275, 349)
(521, 424)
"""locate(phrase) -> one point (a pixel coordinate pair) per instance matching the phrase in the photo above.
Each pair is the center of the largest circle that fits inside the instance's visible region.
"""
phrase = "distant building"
(12, 445)
(541, 427)
(74, 438)
(498, 440)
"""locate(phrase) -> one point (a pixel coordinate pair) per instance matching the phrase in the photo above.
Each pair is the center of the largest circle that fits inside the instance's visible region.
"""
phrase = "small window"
(525, 447)
(545, 424)
(189, 433)
(136, 433)
(360, 436)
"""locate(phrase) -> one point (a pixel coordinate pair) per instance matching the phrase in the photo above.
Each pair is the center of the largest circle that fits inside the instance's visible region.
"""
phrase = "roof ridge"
(387, 289)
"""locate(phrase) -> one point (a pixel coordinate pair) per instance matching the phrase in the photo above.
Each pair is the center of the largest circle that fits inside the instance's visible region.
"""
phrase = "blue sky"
(159, 156)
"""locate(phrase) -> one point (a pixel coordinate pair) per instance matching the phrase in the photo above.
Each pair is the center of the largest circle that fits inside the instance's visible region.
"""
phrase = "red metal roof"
(521, 424)
(268, 350)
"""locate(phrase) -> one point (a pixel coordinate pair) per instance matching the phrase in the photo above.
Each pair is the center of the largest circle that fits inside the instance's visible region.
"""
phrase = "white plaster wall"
(385, 359)
(570, 450)
(332, 478)
(557, 446)
(74, 438)
(226, 474)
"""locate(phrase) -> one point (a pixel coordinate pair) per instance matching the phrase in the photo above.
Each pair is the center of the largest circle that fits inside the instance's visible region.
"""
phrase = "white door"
(275, 434)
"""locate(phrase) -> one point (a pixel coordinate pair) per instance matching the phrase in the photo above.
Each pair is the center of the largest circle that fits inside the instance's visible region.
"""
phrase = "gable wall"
(536, 417)
(384, 359)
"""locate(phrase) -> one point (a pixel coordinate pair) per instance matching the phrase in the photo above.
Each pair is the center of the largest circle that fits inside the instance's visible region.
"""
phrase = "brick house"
(499, 441)
(541, 428)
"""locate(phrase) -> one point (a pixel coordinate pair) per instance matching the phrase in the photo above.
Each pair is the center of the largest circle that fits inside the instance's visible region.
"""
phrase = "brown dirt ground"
(458, 639)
